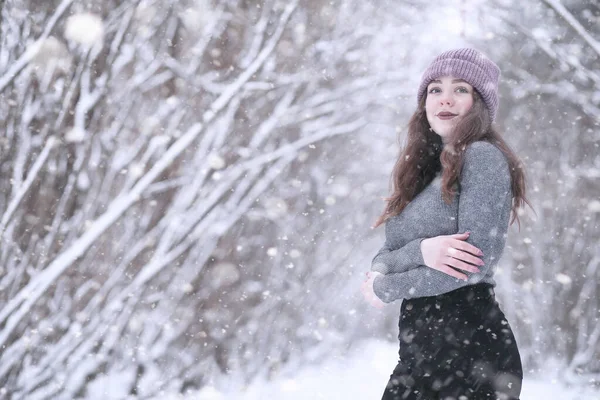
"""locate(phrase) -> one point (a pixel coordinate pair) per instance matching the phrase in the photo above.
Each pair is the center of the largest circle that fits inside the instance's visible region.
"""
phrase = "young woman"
(454, 187)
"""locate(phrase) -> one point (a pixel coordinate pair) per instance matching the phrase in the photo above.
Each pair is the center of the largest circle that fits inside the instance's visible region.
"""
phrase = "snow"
(215, 161)
(52, 53)
(85, 29)
(223, 274)
(198, 16)
(83, 181)
(362, 374)
(89, 239)
(75, 135)
(112, 385)
(563, 279)
(275, 207)
(594, 206)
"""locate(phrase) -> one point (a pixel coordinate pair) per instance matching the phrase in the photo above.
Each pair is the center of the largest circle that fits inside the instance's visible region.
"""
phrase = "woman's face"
(448, 99)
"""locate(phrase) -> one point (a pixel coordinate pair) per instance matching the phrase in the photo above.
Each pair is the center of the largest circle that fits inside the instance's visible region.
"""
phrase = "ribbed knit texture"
(470, 65)
(482, 207)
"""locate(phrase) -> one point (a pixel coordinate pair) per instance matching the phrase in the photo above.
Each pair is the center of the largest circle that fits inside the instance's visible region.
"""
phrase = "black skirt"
(459, 346)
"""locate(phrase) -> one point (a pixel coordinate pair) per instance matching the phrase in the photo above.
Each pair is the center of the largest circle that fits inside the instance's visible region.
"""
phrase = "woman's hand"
(367, 290)
(447, 252)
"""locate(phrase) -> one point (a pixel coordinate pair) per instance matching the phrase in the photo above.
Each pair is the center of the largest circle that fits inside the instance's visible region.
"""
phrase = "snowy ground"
(362, 374)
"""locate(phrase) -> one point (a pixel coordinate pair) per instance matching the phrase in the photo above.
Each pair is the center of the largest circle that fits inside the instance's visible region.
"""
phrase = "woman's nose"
(446, 100)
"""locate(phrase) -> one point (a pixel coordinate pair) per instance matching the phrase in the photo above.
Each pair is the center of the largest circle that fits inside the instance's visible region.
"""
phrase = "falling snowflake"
(51, 54)
(341, 187)
(187, 288)
(215, 161)
(563, 279)
(75, 135)
(83, 181)
(594, 206)
(275, 207)
(136, 170)
(223, 274)
(295, 253)
(330, 200)
(85, 29)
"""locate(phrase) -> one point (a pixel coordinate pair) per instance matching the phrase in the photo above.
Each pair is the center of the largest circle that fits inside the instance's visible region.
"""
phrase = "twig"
(563, 12)
(28, 55)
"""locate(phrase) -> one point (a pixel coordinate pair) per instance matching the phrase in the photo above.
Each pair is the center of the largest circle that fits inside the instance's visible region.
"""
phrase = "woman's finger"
(468, 247)
(456, 263)
(466, 257)
(464, 234)
(452, 272)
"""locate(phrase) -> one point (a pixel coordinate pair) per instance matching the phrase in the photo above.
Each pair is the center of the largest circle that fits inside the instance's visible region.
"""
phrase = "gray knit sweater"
(482, 207)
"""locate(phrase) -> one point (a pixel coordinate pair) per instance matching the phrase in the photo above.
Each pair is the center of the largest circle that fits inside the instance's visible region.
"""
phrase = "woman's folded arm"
(484, 210)
(403, 259)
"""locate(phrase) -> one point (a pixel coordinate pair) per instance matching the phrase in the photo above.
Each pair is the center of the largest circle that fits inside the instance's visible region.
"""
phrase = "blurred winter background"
(187, 189)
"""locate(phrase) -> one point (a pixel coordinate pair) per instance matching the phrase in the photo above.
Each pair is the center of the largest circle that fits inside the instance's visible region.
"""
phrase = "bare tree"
(184, 183)
(550, 113)
(141, 141)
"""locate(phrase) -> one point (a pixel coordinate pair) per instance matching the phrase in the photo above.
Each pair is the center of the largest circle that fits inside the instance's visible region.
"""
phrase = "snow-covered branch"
(574, 23)
(32, 50)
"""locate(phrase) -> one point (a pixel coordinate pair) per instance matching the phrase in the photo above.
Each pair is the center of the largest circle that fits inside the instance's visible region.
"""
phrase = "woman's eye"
(462, 89)
(434, 90)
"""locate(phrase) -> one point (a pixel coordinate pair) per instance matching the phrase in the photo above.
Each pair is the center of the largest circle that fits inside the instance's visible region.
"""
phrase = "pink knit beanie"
(470, 65)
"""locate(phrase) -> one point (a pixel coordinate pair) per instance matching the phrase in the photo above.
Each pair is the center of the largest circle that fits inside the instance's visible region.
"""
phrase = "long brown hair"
(425, 154)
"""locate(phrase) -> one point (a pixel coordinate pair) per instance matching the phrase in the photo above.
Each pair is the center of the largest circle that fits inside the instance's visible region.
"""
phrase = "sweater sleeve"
(484, 210)
(403, 259)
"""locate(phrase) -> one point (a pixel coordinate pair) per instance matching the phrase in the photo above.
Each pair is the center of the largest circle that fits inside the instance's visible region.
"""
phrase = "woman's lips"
(446, 115)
